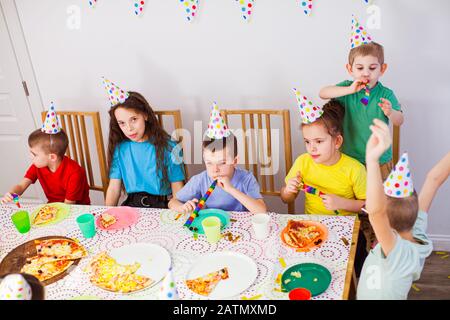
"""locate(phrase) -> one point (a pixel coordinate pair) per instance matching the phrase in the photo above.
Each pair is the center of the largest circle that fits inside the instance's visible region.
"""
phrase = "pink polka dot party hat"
(217, 129)
(115, 94)
(359, 34)
(399, 184)
(51, 123)
(308, 111)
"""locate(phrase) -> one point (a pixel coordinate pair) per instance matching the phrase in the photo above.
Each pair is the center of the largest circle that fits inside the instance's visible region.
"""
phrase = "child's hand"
(7, 198)
(379, 141)
(293, 184)
(225, 183)
(358, 85)
(332, 202)
(386, 106)
(189, 206)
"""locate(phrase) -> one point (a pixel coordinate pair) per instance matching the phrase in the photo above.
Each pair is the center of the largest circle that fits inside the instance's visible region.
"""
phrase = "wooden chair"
(264, 150)
(74, 124)
(396, 145)
(176, 115)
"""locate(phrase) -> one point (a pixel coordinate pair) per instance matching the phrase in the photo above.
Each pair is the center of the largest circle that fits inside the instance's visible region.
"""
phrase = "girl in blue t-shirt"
(141, 156)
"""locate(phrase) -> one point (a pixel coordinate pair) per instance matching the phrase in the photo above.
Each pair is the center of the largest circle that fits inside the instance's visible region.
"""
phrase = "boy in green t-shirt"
(365, 65)
(364, 100)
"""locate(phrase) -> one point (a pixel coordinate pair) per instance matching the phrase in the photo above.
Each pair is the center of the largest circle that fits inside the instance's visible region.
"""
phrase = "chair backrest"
(74, 124)
(253, 120)
(177, 123)
(396, 145)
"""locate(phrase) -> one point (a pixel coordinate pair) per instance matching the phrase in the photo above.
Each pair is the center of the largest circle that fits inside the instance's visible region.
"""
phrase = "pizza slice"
(60, 248)
(204, 285)
(107, 274)
(300, 234)
(43, 268)
(107, 220)
(45, 214)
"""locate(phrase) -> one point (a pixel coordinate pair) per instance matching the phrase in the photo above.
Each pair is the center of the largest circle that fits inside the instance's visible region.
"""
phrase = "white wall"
(177, 64)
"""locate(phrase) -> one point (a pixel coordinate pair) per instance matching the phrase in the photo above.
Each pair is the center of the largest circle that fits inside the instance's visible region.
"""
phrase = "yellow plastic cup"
(211, 226)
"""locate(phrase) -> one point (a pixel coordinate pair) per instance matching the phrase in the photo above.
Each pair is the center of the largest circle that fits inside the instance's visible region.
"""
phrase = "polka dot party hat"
(359, 34)
(399, 184)
(306, 6)
(92, 3)
(15, 287)
(138, 7)
(246, 8)
(217, 129)
(115, 94)
(308, 111)
(190, 7)
(51, 122)
(168, 289)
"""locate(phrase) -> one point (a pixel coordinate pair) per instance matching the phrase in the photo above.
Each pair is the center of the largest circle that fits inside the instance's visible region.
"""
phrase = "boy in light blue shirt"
(236, 190)
(399, 219)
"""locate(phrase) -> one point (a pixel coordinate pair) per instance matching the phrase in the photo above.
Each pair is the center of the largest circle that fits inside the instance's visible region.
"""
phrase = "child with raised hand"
(236, 190)
(61, 178)
(338, 180)
(364, 98)
(399, 219)
(141, 154)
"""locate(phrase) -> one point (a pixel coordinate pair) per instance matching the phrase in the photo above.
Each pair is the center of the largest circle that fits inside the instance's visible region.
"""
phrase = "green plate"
(224, 217)
(63, 212)
(314, 277)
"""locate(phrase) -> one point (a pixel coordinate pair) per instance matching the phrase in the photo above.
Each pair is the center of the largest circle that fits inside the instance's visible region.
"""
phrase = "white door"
(16, 118)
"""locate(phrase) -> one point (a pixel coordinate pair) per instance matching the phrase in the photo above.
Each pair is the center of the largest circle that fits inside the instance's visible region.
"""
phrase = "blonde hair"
(370, 49)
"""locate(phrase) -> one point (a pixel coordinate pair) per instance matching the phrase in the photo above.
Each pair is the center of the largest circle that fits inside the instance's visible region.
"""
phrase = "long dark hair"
(153, 130)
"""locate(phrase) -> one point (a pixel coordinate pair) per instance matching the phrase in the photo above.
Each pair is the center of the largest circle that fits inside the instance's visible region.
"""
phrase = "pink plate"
(125, 216)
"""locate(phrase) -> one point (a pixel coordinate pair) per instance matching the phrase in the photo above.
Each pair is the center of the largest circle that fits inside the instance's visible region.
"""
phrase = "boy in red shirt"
(61, 178)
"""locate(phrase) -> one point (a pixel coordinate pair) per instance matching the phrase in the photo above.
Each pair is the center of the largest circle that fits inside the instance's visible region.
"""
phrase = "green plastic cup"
(86, 222)
(211, 226)
(21, 221)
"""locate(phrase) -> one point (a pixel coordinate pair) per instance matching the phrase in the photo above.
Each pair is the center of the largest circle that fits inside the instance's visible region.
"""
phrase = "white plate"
(242, 272)
(155, 260)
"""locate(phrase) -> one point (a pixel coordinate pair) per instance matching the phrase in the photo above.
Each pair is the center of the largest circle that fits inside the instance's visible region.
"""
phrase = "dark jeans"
(146, 200)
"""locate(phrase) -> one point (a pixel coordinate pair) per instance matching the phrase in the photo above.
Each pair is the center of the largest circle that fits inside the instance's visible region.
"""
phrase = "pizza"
(61, 248)
(204, 285)
(43, 268)
(45, 214)
(107, 220)
(300, 234)
(54, 256)
(107, 274)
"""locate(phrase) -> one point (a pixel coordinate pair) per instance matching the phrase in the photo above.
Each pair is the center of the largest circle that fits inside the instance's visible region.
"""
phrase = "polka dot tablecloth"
(160, 227)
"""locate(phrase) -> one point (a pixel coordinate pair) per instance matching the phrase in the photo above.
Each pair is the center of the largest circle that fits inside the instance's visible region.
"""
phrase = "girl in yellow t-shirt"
(337, 181)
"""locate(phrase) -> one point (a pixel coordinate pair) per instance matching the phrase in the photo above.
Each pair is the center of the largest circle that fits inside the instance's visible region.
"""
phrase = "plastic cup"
(260, 222)
(211, 226)
(86, 222)
(300, 294)
(21, 221)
